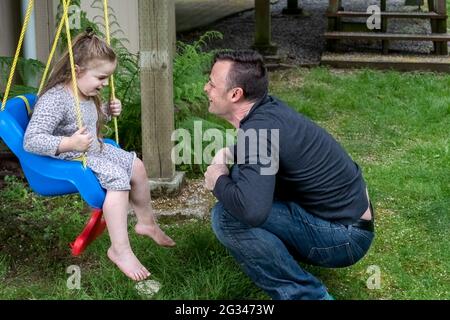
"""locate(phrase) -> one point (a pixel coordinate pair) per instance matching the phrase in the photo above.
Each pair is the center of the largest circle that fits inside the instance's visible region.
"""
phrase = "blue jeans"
(269, 254)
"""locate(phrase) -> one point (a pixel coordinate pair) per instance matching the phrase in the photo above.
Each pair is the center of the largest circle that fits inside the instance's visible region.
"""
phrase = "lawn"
(395, 125)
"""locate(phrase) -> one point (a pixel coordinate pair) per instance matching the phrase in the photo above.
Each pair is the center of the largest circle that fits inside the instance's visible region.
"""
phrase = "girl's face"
(94, 77)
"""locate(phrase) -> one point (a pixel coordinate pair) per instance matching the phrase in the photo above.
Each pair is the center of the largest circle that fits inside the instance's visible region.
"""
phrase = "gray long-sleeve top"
(54, 117)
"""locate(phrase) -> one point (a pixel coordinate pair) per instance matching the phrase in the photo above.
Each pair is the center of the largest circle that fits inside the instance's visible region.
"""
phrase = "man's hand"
(223, 156)
(115, 107)
(213, 173)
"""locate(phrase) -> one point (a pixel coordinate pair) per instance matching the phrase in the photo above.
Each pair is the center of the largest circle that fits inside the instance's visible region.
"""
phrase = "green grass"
(34, 256)
(395, 125)
(448, 9)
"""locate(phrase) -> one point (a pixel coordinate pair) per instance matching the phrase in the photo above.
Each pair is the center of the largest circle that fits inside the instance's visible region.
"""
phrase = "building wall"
(126, 13)
(45, 27)
(9, 26)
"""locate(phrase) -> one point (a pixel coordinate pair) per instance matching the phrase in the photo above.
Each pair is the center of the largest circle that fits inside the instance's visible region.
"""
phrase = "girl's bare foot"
(129, 264)
(153, 231)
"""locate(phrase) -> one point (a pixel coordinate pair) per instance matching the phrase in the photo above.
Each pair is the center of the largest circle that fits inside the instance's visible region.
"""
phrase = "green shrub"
(190, 73)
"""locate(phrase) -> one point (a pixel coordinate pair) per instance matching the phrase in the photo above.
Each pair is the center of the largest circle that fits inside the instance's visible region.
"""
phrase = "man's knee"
(224, 225)
(217, 217)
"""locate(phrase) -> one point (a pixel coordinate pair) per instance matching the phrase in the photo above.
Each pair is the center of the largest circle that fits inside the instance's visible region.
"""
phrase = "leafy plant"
(26, 71)
(84, 23)
(191, 65)
(198, 128)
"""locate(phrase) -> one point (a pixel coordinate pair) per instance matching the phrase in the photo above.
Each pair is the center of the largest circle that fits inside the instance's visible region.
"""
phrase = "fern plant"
(26, 70)
(198, 128)
(191, 66)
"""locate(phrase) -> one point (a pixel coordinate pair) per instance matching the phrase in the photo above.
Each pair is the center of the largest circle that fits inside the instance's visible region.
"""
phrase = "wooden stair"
(397, 15)
(435, 37)
(433, 63)
(437, 15)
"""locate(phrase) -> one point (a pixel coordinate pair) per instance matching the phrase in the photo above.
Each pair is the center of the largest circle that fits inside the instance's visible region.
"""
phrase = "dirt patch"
(194, 201)
(9, 166)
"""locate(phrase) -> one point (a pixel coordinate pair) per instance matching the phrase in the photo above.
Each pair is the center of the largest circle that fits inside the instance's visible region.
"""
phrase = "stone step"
(439, 37)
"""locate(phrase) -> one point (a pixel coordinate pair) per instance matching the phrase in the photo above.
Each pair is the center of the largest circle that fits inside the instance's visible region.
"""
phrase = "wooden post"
(45, 28)
(292, 8)
(333, 23)
(263, 28)
(156, 32)
(441, 8)
(433, 23)
(384, 43)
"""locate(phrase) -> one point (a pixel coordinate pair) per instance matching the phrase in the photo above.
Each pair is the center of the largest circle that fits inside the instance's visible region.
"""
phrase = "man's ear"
(237, 94)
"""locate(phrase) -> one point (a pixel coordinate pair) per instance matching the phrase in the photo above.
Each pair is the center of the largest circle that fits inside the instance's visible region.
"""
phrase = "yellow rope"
(27, 104)
(16, 57)
(74, 76)
(111, 79)
(55, 43)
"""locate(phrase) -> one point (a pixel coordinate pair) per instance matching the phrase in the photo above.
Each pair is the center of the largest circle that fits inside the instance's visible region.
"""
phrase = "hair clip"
(89, 31)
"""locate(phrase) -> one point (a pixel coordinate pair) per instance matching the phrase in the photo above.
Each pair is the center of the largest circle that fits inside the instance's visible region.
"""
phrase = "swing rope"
(96, 224)
(55, 43)
(64, 22)
(74, 76)
(111, 79)
(16, 56)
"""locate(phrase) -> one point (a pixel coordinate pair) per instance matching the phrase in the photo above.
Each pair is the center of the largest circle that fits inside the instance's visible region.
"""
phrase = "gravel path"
(300, 38)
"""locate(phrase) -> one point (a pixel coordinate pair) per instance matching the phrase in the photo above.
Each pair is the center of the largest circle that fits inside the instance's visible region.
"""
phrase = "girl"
(53, 131)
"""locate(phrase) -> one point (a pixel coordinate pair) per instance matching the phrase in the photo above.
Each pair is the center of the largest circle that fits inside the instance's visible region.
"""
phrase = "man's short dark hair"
(247, 72)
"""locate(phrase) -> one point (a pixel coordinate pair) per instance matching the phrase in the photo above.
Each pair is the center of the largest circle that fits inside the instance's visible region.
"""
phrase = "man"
(293, 194)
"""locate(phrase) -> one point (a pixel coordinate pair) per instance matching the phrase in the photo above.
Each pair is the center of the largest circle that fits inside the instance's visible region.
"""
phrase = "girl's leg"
(115, 210)
(141, 202)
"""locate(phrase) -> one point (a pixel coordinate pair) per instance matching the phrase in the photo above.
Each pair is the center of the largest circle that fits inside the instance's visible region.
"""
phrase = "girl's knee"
(139, 171)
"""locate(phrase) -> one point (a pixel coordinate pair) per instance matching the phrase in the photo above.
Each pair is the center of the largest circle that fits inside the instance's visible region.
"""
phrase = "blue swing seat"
(47, 176)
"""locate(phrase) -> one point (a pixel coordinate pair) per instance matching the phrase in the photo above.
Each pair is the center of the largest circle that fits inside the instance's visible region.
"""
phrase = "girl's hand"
(115, 107)
(81, 140)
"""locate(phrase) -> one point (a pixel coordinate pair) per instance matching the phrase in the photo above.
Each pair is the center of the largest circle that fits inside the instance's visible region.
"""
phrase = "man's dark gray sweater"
(313, 169)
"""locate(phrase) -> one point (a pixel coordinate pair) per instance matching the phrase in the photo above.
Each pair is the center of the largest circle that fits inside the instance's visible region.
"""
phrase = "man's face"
(216, 89)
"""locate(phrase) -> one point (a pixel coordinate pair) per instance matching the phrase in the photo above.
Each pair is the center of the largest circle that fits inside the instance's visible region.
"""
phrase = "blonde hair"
(86, 48)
